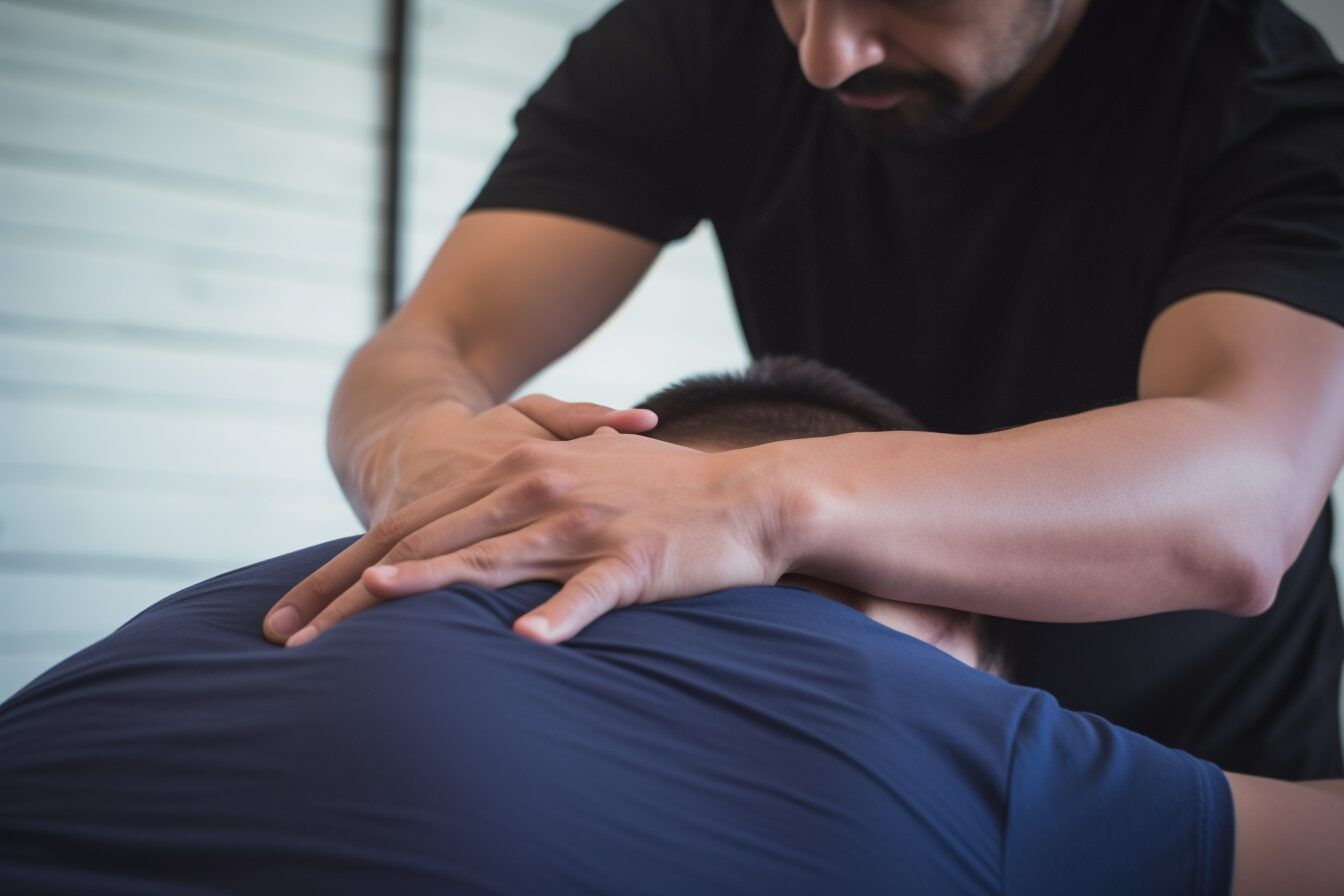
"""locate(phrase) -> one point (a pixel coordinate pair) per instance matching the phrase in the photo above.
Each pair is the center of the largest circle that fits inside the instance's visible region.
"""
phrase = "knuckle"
(589, 593)
(319, 584)
(545, 486)
(412, 547)
(522, 456)
(388, 529)
(482, 558)
(583, 520)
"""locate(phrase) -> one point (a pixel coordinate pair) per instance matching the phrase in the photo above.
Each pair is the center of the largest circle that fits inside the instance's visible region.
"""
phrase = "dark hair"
(775, 398)
(789, 397)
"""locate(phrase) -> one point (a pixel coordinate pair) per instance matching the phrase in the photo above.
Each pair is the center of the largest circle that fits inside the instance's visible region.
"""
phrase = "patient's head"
(779, 398)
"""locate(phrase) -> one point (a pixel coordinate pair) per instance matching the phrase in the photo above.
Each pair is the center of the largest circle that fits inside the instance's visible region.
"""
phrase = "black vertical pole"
(394, 112)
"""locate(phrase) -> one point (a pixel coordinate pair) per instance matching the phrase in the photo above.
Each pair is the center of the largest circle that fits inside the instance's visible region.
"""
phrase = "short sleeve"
(1095, 808)
(615, 133)
(1265, 212)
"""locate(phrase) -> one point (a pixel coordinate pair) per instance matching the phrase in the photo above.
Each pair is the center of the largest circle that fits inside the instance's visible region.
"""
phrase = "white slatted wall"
(188, 241)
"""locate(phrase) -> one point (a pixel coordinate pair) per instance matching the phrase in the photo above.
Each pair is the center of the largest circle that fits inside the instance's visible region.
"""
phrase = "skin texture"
(1288, 837)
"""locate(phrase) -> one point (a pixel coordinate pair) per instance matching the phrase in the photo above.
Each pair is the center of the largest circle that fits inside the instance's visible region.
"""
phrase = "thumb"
(575, 419)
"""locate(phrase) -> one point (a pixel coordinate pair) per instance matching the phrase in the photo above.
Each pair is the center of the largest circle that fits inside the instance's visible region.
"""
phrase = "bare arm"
(507, 293)
(1290, 837)
(1197, 495)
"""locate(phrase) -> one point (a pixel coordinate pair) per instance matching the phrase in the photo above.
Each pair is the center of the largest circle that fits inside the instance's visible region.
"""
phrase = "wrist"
(393, 455)
(791, 501)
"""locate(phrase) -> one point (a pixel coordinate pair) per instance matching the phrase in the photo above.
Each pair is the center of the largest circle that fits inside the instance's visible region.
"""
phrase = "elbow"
(1229, 569)
(1259, 537)
(1254, 567)
(1255, 593)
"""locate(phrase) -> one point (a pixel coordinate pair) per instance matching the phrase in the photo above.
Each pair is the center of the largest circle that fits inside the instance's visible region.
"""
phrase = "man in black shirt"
(1097, 245)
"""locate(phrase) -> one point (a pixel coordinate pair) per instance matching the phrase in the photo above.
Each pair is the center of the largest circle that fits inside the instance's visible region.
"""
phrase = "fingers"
(593, 591)
(492, 563)
(575, 419)
(305, 599)
(353, 600)
(330, 581)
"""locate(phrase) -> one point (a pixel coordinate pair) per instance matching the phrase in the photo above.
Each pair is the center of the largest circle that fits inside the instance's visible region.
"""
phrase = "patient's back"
(754, 740)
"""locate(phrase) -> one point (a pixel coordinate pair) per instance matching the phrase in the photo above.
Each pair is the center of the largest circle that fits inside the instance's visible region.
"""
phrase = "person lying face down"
(765, 739)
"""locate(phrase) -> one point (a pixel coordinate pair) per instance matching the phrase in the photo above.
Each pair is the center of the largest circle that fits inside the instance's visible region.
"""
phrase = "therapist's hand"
(617, 518)
(436, 449)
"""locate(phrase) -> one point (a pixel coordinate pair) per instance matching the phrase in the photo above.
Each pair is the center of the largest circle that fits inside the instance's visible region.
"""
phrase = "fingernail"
(383, 572)
(301, 637)
(285, 622)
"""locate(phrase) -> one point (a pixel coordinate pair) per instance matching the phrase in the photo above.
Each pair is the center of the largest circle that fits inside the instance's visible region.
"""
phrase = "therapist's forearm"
(399, 375)
(1156, 505)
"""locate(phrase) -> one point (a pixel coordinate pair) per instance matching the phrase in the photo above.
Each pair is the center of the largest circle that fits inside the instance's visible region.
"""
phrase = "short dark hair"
(776, 398)
(779, 397)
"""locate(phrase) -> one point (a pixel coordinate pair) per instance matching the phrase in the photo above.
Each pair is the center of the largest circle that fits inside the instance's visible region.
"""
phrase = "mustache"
(876, 82)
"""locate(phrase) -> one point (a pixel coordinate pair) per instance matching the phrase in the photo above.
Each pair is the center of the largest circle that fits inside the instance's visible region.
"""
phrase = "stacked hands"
(544, 489)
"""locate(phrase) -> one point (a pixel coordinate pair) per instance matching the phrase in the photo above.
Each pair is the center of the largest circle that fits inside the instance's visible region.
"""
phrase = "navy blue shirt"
(752, 740)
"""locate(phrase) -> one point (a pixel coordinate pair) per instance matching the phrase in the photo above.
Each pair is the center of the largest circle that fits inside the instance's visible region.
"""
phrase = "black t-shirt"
(1175, 147)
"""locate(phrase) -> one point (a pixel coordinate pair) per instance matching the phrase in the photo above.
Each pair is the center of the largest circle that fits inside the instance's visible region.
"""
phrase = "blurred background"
(205, 207)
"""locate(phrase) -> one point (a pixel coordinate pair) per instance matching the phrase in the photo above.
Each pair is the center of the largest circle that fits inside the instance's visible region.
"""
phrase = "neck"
(948, 630)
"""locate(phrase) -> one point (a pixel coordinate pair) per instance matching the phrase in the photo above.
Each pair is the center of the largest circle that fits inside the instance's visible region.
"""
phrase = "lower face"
(910, 116)
(957, 60)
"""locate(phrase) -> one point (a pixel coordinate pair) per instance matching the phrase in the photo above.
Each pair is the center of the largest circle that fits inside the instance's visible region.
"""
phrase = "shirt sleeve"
(615, 133)
(1265, 215)
(1094, 808)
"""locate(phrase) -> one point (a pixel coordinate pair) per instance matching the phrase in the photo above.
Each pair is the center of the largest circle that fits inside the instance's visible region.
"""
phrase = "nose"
(838, 40)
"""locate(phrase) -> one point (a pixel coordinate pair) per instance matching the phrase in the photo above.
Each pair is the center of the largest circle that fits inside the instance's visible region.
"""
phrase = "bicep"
(1290, 838)
(513, 290)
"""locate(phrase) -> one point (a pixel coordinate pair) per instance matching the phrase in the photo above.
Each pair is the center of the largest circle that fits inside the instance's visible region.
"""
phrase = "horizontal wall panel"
(311, 93)
(178, 374)
(114, 287)
(351, 29)
(229, 154)
(105, 434)
(444, 181)
(229, 232)
(17, 669)
(471, 115)
(567, 13)
(80, 602)
(70, 525)
(453, 40)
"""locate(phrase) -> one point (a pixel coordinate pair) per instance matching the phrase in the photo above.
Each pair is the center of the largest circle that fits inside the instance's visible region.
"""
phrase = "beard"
(934, 113)
(937, 111)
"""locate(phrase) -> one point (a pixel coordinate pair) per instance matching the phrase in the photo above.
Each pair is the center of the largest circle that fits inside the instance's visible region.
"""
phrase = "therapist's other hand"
(436, 450)
(438, 447)
(618, 519)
